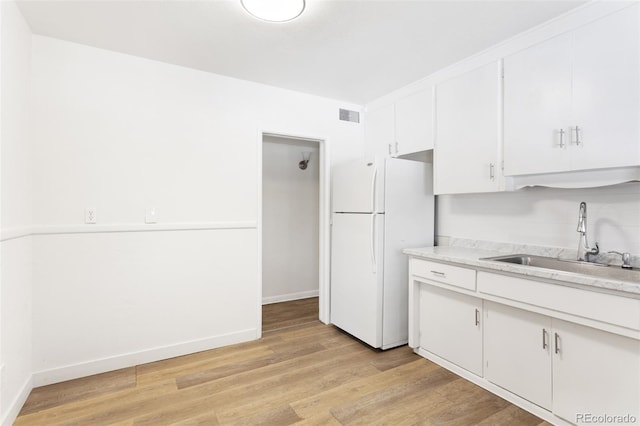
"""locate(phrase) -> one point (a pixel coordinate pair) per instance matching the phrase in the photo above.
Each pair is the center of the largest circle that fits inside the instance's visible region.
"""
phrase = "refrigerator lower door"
(357, 275)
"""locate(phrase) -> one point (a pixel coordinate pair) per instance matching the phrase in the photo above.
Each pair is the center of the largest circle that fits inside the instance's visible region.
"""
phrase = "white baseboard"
(69, 372)
(16, 405)
(289, 297)
(495, 389)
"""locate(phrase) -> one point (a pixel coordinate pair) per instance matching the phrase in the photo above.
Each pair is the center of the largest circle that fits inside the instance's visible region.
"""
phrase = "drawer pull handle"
(438, 273)
(544, 339)
(477, 316)
(557, 343)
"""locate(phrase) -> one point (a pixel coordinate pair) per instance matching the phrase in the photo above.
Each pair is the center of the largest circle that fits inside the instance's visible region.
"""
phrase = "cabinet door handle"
(577, 140)
(438, 273)
(397, 147)
(557, 343)
(492, 171)
(544, 339)
(477, 316)
(561, 144)
(390, 149)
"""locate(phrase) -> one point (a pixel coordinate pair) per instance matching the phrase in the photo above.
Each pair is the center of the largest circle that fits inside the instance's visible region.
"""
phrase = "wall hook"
(306, 156)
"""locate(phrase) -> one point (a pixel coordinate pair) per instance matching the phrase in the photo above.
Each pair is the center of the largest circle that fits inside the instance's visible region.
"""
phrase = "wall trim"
(14, 233)
(89, 368)
(16, 405)
(290, 296)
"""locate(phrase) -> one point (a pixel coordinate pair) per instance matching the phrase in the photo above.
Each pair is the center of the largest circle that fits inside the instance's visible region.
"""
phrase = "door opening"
(294, 230)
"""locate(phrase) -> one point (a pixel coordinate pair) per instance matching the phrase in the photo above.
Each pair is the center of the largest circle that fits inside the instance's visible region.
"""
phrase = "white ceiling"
(349, 50)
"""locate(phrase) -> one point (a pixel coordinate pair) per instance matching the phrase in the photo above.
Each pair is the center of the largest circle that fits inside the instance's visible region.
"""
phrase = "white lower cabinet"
(572, 370)
(563, 353)
(450, 326)
(517, 352)
(594, 373)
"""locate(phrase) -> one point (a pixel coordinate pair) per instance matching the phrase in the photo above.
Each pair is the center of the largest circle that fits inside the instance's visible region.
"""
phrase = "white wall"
(545, 216)
(290, 220)
(121, 134)
(16, 204)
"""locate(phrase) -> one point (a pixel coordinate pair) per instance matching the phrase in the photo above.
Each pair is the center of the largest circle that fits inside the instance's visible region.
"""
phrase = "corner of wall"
(16, 379)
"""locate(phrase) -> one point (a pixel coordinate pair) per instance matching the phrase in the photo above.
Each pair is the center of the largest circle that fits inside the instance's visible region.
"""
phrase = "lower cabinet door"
(596, 375)
(450, 326)
(517, 352)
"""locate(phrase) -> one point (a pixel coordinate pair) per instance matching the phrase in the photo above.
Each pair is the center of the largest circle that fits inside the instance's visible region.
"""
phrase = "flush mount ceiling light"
(274, 10)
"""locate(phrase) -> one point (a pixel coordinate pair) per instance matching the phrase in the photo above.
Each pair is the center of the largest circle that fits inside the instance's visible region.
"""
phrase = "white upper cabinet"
(379, 130)
(606, 92)
(467, 146)
(414, 123)
(401, 128)
(537, 105)
(572, 102)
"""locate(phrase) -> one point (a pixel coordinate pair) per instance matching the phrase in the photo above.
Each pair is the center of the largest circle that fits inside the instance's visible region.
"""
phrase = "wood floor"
(301, 371)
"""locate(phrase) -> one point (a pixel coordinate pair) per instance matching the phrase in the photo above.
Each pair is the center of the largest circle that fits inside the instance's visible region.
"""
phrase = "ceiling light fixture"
(274, 10)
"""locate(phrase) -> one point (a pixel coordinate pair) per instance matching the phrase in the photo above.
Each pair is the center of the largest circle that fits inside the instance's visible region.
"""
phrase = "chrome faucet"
(584, 251)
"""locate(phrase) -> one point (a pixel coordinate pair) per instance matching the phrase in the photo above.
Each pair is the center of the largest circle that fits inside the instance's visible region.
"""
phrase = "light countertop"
(470, 256)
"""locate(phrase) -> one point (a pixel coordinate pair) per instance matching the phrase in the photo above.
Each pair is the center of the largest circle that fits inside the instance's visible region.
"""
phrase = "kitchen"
(80, 299)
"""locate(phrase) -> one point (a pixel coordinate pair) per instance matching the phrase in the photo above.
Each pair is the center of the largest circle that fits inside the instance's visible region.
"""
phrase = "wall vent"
(352, 116)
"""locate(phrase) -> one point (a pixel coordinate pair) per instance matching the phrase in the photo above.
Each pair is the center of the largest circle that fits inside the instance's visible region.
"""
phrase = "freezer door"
(357, 187)
(356, 275)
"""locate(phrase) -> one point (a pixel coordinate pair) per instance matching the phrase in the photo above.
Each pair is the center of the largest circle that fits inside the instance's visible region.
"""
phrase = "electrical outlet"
(90, 215)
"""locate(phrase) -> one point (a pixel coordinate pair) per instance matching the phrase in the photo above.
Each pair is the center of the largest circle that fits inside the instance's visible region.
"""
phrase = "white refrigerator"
(378, 209)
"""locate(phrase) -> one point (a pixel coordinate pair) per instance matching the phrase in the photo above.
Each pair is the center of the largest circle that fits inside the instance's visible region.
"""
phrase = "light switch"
(150, 215)
(90, 215)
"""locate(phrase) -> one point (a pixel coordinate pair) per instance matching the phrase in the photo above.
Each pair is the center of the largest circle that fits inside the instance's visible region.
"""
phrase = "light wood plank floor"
(281, 315)
(301, 371)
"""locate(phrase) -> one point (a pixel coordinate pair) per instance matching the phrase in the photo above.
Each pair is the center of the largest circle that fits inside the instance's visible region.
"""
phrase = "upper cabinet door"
(537, 106)
(379, 131)
(401, 128)
(468, 111)
(414, 123)
(573, 102)
(606, 91)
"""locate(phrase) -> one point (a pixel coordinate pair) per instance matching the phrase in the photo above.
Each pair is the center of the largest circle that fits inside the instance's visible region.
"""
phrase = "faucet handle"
(595, 250)
(626, 258)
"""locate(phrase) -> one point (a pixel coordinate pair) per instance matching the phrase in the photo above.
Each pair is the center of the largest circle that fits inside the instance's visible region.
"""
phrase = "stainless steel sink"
(586, 268)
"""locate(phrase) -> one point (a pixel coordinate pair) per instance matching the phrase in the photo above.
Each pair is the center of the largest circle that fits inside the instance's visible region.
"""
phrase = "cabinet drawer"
(607, 308)
(443, 273)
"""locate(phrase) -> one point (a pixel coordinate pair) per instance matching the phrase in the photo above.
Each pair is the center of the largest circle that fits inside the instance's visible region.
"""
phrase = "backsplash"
(511, 248)
(543, 220)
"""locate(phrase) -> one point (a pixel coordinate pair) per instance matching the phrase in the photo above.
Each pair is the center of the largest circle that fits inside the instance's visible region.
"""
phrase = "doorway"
(293, 224)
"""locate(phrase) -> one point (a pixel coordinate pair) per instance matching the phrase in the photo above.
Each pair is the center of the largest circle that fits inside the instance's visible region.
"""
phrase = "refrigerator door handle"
(373, 243)
(374, 177)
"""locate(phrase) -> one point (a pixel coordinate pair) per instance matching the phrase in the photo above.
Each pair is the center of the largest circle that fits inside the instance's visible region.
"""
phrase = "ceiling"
(354, 51)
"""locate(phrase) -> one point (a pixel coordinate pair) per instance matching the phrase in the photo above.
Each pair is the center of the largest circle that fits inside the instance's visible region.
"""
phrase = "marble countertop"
(470, 256)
